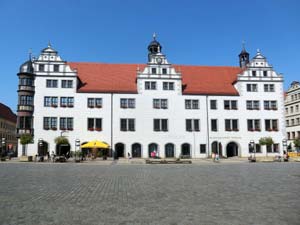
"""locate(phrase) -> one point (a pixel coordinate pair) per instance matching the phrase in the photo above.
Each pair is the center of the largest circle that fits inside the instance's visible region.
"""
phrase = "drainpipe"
(111, 125)
(207, 127)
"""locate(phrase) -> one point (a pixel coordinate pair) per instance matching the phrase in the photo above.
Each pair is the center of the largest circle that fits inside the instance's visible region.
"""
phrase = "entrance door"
(119, 148)
(169, 150)
(232, 149)
(153, 147)
(186, 150)
(136, 150)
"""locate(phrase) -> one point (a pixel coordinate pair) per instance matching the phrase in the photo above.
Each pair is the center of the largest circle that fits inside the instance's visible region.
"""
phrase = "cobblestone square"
(85, 194)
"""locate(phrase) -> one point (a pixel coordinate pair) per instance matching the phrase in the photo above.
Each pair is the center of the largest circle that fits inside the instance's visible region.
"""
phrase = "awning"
(95, 144)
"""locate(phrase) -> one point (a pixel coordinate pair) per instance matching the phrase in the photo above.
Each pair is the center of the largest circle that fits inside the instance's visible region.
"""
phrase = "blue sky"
(191, 32)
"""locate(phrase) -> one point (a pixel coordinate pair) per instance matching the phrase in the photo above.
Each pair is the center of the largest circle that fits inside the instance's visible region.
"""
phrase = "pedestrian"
(213, 155)
(52, 156)
(129, 156)
(48, 156)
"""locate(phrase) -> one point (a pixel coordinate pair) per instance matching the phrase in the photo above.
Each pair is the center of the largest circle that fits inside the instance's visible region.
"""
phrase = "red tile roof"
(7, 114)
(121, 78)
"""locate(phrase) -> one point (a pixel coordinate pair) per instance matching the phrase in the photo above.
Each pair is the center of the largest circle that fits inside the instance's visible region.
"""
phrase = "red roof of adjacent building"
(121, 78)
(7, 113)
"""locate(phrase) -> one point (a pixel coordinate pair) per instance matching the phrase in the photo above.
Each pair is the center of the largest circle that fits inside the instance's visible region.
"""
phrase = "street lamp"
(284, 146)
(40, 153)
(3, 142)
(77, 149)
(252, 146)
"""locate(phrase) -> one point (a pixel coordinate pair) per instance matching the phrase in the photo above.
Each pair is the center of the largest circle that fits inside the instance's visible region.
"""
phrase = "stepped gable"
(121, 78)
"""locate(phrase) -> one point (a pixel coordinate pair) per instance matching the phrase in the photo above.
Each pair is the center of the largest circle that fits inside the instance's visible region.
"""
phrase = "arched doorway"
(186, 150)
(214, 147)
(43, 148)
(136, 150)
(232, 149)
(119, 150)
(63, 150)
(169, 150)
(151, 148)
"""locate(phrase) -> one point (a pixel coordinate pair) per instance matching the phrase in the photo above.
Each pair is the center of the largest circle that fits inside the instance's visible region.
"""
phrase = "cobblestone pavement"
(217, 194)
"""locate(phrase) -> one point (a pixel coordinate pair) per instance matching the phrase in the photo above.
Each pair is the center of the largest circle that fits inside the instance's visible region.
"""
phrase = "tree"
(61, 141)
(268, 141)
(25, 139)
(297, 142)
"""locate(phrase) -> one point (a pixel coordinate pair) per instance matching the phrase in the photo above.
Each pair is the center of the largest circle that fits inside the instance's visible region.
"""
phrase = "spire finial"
(243, 44)
(30, 53)
(258, 51)
(49, 44)
(154, 36)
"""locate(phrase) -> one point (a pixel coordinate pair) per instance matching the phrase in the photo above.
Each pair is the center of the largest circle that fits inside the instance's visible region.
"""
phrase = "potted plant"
(297, 143)
(268, 141)
(26, 139)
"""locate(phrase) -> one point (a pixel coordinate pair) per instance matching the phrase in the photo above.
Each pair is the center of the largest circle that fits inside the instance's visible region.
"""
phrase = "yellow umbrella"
(95, 144)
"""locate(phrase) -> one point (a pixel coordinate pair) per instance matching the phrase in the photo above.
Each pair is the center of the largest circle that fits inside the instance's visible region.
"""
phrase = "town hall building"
(175, 110)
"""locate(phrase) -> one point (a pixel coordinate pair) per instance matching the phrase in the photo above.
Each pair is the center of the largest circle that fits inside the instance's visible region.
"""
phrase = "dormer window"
(56, 68)
(153, 70)
(41, 67)
(265, 73)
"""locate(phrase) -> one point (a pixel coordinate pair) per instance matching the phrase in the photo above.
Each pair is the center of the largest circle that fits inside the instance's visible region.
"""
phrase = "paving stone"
(208, 194)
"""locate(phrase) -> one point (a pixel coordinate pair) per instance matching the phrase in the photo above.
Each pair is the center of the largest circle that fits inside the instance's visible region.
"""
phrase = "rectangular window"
(63, 101)
(202, 148)
(270, 105)
(192, 124)
(150, 85)
(265, 73)
(47, 101)
(153, 85)
(230, 104)
(66, 123)
(254, 73)
(26, 100)
(41, 67)
(231, 125)
(56, 68)
(168, 86)
(271, 125)
(164, 71)
(160, 103)
(160, 124)
(252, 87)
(66, 83)
(214, 125)
(51, 83)
(153, 70)
(191, 104)
(94, 102)
(253, 125)
(46, 123)
(269, 88)
(252, 105)
(213, 104)
(90, 124)
(127, 124)
(50, 123)
(54, 101)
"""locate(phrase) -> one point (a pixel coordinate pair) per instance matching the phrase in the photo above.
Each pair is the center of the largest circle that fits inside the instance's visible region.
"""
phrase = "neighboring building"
(292, 112)
(8, 121)
(138, 108)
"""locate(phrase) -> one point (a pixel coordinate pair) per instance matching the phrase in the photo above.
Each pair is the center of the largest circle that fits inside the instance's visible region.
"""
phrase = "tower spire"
(243, 56)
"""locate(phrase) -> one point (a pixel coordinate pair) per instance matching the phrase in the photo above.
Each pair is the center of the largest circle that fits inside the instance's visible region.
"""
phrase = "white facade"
(292, 113)
(176, 114)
